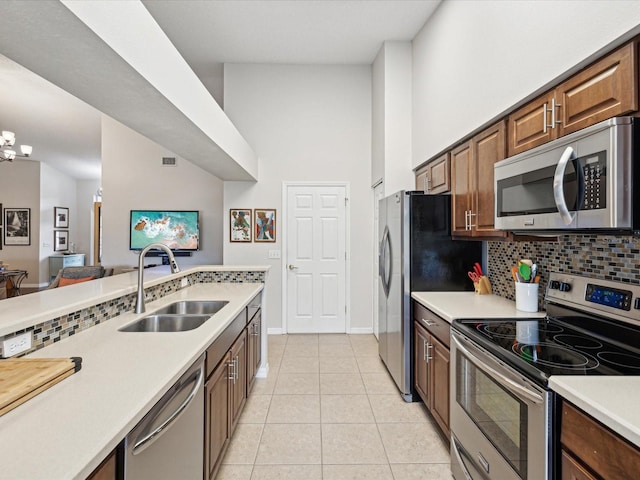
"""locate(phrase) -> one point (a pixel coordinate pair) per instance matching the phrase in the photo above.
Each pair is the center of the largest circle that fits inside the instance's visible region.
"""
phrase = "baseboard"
(361, 331)
(274, 331)
(263, 371)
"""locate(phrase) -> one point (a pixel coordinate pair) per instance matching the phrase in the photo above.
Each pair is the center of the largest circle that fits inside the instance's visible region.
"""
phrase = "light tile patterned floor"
(330, 411)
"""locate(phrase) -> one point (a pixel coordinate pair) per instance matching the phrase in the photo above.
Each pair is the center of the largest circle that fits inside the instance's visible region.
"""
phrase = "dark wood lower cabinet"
(107, 470)
(217, 428)
(254, 349)
(592, 451)
(431, 365)
(238, 382)
(227, 387)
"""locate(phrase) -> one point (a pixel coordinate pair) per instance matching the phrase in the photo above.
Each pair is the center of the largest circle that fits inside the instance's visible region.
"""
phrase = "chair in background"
(72, 275)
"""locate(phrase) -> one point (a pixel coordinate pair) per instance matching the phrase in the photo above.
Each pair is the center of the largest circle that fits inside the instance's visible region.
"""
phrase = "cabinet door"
(529, 126)
(421, 179)
(420, 365)
(439, 175)
(107, 469)
(239, 382)
(489, 147)
(606, 89)
(217, 425)
(573, 470)
(439, 364)
(254, 350)
(460, 189)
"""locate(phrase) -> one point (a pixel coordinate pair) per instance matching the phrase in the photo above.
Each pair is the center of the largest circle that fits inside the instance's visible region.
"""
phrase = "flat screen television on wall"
(178, 230)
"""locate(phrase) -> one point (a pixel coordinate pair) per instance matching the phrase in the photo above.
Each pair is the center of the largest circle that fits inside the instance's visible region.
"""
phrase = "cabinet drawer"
(254, 306)
(602, 450)
(432, 323)
(573, 470)
(218, 349)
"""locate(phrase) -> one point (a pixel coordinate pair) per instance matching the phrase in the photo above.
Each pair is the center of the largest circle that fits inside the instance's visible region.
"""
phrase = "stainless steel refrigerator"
(416, 253)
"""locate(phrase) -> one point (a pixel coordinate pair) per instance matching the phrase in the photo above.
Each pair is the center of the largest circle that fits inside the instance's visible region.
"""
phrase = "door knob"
(292, 267)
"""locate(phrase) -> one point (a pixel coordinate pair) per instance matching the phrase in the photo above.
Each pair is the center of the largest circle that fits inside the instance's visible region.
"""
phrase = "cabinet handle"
(554, 105)
(471, 225)
(235, 369)
(427, 352)
(231, 373)
(427, 182)
(429, 323)
(425, 348)
(544, 118)
(466, 219)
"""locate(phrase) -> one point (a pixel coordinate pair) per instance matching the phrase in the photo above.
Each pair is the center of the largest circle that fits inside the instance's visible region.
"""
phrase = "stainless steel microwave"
(583, 181)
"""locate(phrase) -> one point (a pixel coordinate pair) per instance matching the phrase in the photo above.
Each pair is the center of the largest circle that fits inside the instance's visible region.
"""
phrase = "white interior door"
(316, 259)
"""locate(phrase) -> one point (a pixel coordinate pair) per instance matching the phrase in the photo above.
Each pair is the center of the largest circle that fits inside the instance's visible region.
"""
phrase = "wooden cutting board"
(24, 378)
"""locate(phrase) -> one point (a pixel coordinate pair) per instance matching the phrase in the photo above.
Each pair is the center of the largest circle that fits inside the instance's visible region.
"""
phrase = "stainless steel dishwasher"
(168, 441)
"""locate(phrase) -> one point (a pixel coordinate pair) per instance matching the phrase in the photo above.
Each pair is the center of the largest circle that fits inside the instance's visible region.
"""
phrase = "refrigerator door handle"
(385, 248)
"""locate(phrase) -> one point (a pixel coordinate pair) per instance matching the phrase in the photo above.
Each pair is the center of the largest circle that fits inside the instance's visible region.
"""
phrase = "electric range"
(503, 415)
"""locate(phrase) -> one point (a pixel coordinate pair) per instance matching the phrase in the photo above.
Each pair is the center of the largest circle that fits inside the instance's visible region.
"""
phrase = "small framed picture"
(240, 224)
(60, 217)
(60, 240)
(264, 222)
(17, 226)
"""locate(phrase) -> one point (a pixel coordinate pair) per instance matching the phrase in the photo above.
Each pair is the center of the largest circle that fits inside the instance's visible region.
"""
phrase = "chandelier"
(7, 153)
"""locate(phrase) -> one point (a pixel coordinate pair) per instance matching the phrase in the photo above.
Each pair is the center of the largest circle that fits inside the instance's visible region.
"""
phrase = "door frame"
(284, 234)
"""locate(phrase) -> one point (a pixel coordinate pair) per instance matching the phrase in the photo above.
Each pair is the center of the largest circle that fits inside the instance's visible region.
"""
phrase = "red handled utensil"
(474, 277)
(478, 269)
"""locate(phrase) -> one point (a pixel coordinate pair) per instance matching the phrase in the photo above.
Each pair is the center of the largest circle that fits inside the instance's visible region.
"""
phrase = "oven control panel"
(610, 297)
(615, 299)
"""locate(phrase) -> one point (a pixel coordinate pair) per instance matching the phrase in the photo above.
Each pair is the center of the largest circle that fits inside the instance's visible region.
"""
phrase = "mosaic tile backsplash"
(64, 326)
(599, 256)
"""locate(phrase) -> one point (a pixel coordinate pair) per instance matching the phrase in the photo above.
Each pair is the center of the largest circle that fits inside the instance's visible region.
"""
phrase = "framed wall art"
(240, 224)
(17, 226)
(264, 222)
(60, 217)
(60, 240)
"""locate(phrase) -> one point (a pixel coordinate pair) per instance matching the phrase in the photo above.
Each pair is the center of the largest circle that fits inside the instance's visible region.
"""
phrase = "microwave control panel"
(594, 170)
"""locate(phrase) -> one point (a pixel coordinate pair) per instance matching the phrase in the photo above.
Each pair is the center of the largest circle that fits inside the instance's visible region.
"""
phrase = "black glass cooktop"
(543, 347)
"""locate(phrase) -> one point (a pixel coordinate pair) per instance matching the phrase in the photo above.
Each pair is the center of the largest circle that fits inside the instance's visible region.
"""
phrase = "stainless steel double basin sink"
(176, 317)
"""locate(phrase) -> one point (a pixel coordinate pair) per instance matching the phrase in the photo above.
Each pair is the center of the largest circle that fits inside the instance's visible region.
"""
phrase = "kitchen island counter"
(66, 431)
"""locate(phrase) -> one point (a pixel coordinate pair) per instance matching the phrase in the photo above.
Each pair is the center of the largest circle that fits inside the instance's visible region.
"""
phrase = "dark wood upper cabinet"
(435, 177)
(472, 185)
(606, 89)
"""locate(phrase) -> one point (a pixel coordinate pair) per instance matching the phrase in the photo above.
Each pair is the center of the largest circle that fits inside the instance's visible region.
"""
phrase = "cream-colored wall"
(306, 123)
(473, 60)
(133, 178)
(56, 190)
(391, 112)
(20, 188)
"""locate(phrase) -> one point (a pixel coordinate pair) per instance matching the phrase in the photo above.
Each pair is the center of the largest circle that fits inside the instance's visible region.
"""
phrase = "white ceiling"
(65, 132)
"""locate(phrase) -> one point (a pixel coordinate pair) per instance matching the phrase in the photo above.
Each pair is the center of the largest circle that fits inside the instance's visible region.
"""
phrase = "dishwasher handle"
(146, 441)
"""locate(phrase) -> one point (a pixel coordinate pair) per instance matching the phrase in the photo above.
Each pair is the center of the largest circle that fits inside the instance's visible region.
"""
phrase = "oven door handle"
(558, 186)
(463, 466)
(522, 392)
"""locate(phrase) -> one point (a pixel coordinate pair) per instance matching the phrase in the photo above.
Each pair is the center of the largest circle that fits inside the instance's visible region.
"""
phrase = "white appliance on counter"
(168, 443)
(416, 253)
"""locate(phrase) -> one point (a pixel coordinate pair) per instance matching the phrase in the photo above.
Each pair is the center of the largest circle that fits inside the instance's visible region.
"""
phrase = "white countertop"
(66, 431)
(17, 313)
(611, 400)
(452, 305)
